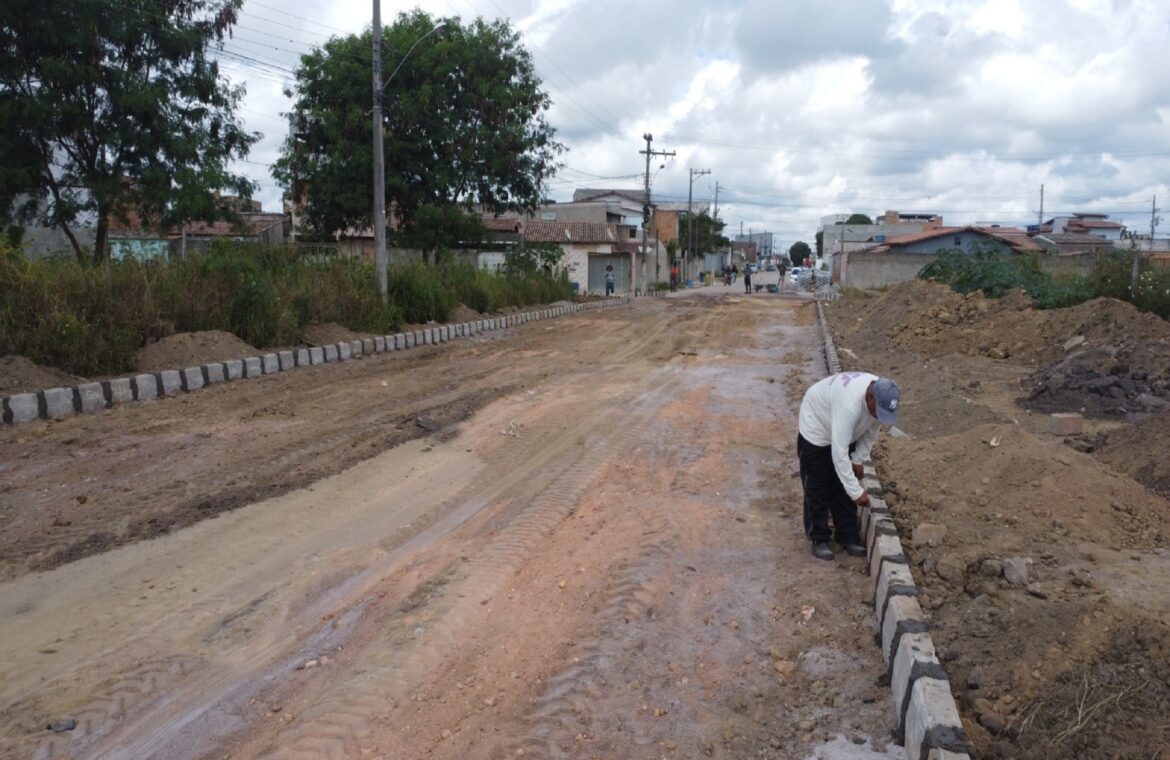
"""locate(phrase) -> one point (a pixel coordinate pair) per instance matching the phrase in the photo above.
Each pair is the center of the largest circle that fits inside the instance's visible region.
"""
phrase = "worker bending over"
(839, 421)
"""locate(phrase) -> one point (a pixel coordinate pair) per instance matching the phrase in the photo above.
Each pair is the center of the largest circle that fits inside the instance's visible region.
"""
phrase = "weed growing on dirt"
(996, 273)
(92, 320)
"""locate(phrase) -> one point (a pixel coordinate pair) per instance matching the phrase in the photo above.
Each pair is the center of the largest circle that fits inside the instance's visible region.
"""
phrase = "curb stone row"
(928, 722)
(58, 403)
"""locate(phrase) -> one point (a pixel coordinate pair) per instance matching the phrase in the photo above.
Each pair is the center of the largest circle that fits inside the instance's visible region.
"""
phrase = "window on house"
(548, 216)
(958, 241)
(633, 233)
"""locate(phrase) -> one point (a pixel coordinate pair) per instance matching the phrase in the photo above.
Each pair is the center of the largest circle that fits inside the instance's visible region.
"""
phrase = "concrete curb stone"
(92, 397)
(89, 397)
(56, 403)
(23, 407)
(121, 390)
(214, 373)
(170, 382)
(191, 379)
(145, 387)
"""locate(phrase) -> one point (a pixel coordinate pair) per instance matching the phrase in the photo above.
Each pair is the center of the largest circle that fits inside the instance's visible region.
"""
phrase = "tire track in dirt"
(138, 691)
(145, 682)
(561, 713)
(339, 724)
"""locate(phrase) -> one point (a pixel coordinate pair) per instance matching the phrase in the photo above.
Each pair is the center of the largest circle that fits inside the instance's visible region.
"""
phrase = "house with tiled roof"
(1085, 224)
(902, 257)
(598, 228)
(589, 247)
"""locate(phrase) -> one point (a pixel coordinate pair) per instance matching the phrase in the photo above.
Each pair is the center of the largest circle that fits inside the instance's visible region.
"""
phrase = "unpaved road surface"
(580, 538)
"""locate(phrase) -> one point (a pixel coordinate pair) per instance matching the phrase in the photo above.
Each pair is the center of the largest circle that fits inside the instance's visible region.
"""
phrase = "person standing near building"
(610, 279)
(839, 421)
(747, 278)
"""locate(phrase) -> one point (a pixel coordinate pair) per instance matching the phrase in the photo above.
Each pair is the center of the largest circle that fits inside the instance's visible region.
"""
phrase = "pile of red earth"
(1042, 573)
(1102, 356)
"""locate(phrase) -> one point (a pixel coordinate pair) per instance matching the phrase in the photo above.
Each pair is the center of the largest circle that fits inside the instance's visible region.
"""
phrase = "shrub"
(92, 320)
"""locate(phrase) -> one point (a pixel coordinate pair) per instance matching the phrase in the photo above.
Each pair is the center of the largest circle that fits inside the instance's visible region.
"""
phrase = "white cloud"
(803, 109)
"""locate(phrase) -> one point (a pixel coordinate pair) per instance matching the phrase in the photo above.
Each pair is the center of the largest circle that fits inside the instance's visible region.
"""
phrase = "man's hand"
(863, 500)
(858, 470)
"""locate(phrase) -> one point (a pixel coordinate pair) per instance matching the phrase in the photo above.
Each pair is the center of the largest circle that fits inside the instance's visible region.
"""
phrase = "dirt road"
(578, 539)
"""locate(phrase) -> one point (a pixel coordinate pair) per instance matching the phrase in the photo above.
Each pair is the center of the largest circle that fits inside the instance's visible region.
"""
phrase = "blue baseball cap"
(886, 395)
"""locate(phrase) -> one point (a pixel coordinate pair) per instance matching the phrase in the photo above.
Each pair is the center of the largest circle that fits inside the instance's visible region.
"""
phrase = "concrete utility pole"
(1040, 216)
(649, 153)
(691, 217)
(381, 256)
(1137, 254)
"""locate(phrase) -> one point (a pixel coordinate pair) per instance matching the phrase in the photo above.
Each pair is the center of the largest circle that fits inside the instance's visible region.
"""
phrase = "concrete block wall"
(58, 403)
(926, 716)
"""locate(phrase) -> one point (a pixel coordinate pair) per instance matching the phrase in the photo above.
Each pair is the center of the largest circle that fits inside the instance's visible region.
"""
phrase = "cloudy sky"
(802, 108)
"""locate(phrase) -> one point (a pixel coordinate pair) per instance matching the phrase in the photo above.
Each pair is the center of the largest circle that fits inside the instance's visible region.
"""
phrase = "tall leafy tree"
(464, 124)
(799, 251)
(113, 107)
(708, 234)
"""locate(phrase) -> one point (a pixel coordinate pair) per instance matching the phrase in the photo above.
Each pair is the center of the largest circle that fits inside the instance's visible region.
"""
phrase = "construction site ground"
(576, 538)
(1043, 559)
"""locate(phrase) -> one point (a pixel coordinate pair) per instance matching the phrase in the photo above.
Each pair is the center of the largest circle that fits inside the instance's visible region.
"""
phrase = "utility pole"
(381, 256)
(1137, 254)
(1040, 216)
(649, 153)
(715, 215)
(691, 217)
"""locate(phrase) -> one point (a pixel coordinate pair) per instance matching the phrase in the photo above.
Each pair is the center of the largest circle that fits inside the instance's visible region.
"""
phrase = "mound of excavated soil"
(463, 313)
(929, 318)
(21, 375)
(330, 332)
(1082, 621)
(1102, 357)
(1141, 450)
(1106, 381)
(191, 349)
(1037, 487)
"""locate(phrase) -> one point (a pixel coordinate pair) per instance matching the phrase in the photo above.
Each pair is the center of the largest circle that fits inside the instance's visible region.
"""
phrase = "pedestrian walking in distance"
(609, 279)
(747, 279)
(839, 421)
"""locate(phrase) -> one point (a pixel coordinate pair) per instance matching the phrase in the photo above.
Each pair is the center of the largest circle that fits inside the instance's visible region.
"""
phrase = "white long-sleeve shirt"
(833, 413)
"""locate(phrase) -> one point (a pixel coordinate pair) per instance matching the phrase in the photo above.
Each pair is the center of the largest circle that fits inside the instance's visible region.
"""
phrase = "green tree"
(437, 227)
(708, 234)
(464, 119)
(530, 257)
(858, 219)
(115, 106)
(799, 251)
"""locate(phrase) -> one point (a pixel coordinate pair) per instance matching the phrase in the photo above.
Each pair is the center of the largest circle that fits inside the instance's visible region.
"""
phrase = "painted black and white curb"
(928, 722)
(58, 403)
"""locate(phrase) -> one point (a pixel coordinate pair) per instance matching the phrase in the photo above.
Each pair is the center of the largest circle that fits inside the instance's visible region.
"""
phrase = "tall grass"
(93, 320)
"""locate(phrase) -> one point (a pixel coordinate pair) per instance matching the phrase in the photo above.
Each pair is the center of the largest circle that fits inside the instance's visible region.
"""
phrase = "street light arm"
(409, 51)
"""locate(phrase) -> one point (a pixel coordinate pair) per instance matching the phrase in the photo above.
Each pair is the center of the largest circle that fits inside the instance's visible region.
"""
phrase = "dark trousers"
(824, 495)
